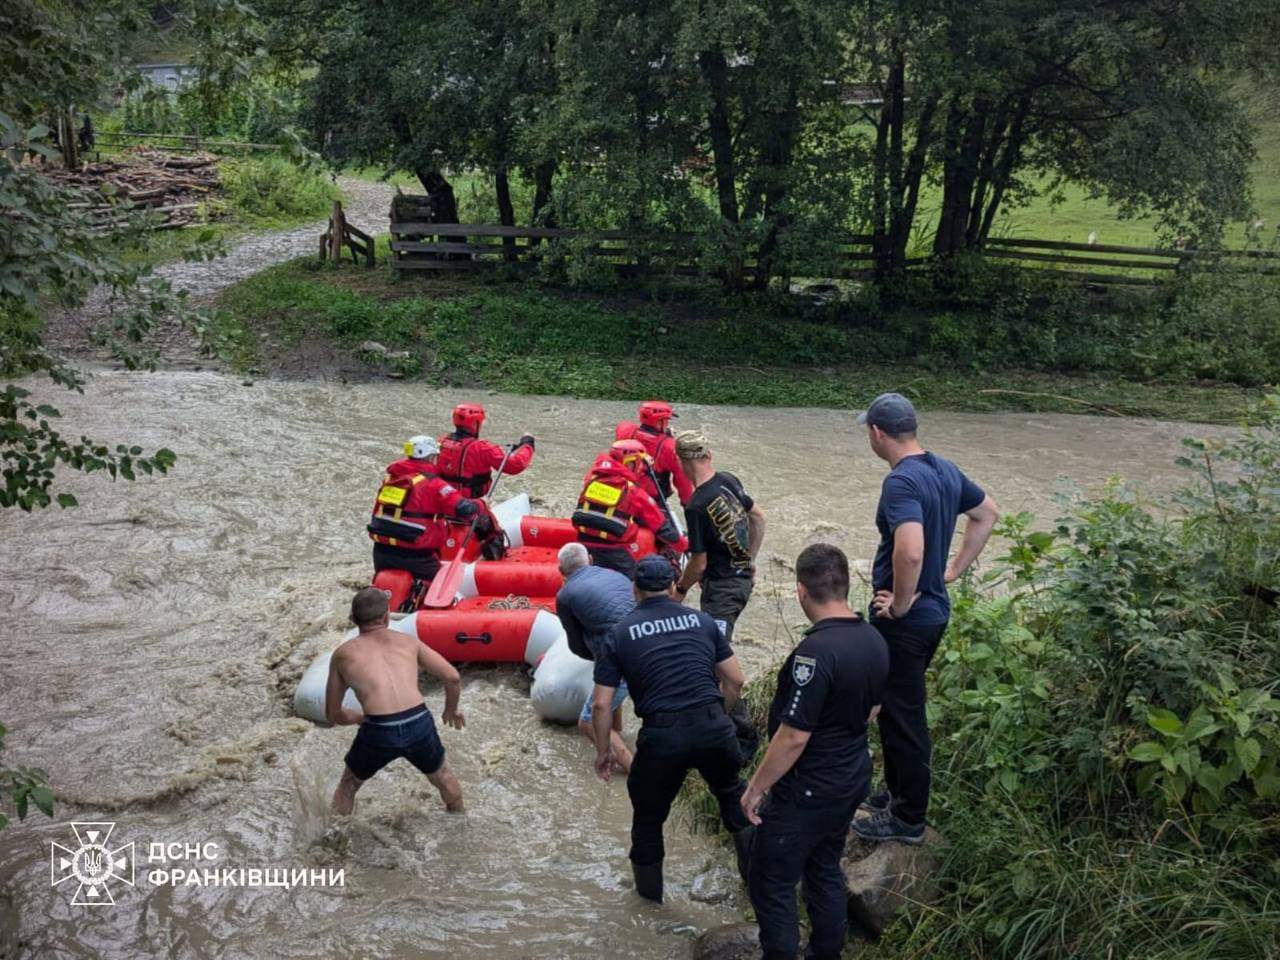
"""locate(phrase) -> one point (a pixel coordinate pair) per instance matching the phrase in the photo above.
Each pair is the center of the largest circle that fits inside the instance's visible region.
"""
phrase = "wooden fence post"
(335, 233)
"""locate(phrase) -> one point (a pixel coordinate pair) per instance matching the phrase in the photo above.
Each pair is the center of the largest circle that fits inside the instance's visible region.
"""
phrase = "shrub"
(272, 188)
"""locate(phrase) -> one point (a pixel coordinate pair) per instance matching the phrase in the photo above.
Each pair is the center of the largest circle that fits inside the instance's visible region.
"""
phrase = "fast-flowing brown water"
(154, 637)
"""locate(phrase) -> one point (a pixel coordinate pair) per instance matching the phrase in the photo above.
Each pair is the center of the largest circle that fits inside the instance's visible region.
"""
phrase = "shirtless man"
(382, 666)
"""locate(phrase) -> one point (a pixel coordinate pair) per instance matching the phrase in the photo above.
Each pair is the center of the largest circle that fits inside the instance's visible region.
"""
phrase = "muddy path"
(366, 205)
(154, 637)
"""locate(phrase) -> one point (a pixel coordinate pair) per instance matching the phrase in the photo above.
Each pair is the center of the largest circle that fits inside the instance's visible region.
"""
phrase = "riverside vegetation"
(968, 335)
(1106, 728)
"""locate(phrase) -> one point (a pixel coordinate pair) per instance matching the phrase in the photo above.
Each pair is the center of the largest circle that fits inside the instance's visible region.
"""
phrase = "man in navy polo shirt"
(682, 676)
(919, 502)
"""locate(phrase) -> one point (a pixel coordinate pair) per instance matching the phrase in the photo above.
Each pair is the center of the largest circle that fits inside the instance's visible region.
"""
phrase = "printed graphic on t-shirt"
(730, 520)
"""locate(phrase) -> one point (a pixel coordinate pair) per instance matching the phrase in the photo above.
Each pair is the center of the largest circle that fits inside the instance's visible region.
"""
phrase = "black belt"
(706, 711)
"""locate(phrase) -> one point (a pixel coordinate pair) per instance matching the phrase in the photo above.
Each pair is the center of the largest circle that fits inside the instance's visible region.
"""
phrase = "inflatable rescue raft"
(504, 612)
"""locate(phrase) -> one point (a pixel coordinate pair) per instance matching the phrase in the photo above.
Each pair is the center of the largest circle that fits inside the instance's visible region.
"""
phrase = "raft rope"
(510, 602)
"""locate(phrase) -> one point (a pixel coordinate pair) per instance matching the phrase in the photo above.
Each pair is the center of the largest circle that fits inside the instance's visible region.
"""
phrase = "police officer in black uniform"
(817, 769)
(682, 676)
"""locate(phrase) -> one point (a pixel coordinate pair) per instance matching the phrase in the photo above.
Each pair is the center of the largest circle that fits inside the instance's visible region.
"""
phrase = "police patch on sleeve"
(803, 669)
(722, 626)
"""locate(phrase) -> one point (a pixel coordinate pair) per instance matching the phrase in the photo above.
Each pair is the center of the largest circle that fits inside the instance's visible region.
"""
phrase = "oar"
(449, 577)
(666, 507)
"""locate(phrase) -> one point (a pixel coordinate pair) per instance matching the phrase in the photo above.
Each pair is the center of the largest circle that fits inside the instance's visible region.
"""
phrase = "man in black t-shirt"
(817, 769)
(725, 530)
(681, 674)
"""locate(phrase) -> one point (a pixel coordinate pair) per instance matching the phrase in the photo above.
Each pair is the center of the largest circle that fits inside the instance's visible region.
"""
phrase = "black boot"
(648, 880)
(742, 841)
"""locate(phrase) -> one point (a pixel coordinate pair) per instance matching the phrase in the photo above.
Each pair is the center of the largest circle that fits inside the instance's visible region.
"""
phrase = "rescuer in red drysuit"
(654, 432)
(468, 462)
(613, 506)
(413, 510)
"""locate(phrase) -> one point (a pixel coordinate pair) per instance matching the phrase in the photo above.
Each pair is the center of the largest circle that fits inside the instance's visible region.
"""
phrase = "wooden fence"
(179, 142)
(418, 245)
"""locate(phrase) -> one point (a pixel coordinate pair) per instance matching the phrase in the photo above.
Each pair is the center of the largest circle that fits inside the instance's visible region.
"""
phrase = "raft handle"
(477, 638)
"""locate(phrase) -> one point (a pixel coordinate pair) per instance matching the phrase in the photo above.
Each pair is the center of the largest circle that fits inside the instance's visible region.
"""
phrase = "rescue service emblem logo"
(93, 864)
(802, 670)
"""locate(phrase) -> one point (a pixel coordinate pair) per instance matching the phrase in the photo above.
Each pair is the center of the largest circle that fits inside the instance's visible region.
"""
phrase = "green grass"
(524, 339)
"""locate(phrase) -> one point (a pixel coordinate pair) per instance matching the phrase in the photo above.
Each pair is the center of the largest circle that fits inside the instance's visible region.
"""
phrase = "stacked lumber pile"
(169, 186)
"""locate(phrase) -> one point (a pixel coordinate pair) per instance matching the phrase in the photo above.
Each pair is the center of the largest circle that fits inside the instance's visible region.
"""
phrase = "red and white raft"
(504, 612)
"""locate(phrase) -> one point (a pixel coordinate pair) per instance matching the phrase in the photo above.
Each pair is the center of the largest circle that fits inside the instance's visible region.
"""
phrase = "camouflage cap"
(692, 445)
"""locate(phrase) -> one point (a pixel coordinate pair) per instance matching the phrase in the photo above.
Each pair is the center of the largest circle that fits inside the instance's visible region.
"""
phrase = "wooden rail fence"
(418, 245)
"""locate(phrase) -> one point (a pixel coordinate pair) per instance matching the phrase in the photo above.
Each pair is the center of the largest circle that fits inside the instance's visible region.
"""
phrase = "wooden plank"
(407, 263)
(475, 230)
(1091, 261)
(1082, 247)
(415, 246)
(1133, 251)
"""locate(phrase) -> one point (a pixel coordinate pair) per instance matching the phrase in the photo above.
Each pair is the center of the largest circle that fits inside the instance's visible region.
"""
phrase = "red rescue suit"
(412, 507)
(613, 505)
(666, 465)
(468, 462)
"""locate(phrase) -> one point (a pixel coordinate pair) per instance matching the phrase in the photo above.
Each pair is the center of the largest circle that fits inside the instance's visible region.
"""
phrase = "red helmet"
(629, 453)
(656, 414)
(468, 417)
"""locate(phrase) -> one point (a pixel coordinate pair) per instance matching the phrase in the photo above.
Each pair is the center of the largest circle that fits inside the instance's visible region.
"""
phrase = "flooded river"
(154, 636)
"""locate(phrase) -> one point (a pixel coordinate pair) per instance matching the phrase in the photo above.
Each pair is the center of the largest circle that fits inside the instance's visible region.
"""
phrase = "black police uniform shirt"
(667, 653)
(827, 687)
(716, 518)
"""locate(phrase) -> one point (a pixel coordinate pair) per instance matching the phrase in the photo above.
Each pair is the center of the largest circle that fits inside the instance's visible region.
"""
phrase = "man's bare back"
(381, 666)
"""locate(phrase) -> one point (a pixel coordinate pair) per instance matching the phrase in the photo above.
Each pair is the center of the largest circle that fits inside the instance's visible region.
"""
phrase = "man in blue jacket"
(591, 601)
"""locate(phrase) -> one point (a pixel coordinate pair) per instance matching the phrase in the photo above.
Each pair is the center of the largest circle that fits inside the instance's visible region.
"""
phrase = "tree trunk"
(506, 211)
(542, 214)
(960, 172)
(67, 139)
(444, 206)
(1004, 171)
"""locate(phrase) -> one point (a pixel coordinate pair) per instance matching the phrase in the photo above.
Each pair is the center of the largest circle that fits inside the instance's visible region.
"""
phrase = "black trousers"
(423, 564)
(904, 732)
(724, 598)
(667, 748)
(613, 558)
(801, 839)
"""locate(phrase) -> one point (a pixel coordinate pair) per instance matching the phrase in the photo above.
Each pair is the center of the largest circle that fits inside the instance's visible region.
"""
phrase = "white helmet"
(421, 447)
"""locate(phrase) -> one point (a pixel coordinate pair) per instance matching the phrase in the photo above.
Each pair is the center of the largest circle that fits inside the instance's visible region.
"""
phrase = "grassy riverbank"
(682, 343)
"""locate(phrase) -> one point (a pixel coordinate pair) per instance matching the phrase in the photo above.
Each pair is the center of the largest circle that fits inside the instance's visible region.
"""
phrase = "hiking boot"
(742, 841)
(878, 801)
(884, 825)
(648, 880)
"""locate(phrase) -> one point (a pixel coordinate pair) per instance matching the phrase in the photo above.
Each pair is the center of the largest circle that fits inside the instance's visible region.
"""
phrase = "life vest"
(406, 510)
(604, 513)
(653, 442)
(451, 462)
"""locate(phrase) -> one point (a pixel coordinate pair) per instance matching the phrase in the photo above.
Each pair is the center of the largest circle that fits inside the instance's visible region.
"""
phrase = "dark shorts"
(410, 734)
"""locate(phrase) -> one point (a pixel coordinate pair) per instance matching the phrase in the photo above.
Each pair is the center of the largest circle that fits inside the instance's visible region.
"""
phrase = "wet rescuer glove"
(526, 441)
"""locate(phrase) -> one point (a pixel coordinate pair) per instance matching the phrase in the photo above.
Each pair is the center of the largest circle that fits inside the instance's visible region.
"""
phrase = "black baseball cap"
(655, 573)
(891, 412)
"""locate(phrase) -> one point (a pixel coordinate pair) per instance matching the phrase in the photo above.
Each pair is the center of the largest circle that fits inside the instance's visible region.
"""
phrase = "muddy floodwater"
(154, 636)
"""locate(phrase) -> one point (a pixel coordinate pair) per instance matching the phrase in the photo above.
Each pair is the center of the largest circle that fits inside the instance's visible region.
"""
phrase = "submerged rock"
(714, 885)
(733, 941)
(885, 879)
